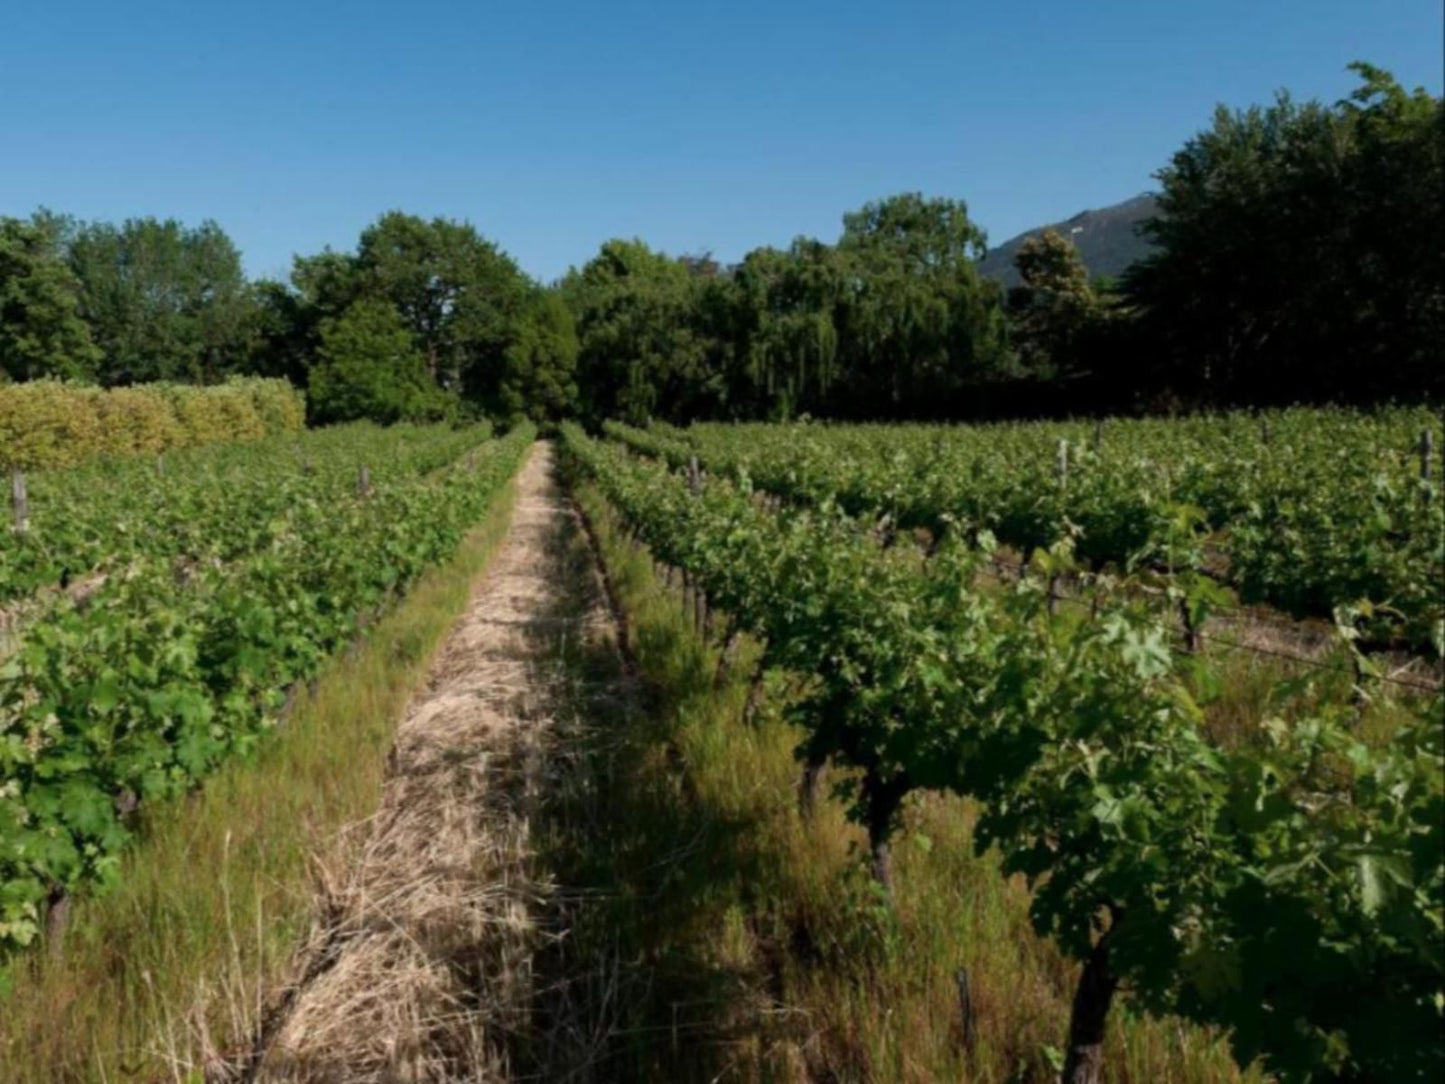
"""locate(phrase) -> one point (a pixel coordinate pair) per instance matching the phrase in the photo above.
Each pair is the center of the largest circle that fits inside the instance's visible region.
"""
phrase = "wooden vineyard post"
(965, 1009)
(57, 917)
(21, 501)
(1192, 637)
(694, 476)
(1098, 435)
(726, 655)
(1427, 454)
(363, 482)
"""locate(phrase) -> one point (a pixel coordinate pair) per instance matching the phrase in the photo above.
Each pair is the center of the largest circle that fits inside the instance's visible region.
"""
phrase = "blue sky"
(696, 126)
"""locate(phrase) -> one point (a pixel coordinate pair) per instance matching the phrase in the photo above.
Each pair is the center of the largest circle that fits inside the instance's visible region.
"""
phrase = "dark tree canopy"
(368, 366)
(41, 332)
(163, 301)
(1300, 252)
(639, 353)
(462, 300)
(892, 321)
(1055, 310)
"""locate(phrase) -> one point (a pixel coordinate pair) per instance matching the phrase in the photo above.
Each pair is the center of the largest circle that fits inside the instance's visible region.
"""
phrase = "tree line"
(1298, 257)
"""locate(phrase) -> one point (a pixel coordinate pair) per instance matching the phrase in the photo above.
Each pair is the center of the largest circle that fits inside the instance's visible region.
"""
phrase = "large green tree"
(923, 328)
(1299, 251)
(164, 301)
(786, 306)
(463, 300)
(1055, 309)
(640, 353)
(41, 332)
(368, 366)
(539, 369)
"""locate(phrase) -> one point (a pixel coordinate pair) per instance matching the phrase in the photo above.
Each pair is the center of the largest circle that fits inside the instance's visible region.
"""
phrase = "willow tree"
(640, 353)
(921, 326)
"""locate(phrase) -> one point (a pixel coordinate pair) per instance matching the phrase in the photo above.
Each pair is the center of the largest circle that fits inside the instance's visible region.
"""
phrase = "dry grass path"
(419, 968)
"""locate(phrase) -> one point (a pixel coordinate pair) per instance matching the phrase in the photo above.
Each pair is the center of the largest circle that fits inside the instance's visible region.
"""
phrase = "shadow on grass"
(650, 973)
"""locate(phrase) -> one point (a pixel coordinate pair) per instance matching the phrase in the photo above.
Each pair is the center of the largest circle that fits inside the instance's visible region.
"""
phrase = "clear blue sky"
(696, 126)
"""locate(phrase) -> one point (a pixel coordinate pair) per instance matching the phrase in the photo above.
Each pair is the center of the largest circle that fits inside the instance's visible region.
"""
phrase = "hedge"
(48, 424)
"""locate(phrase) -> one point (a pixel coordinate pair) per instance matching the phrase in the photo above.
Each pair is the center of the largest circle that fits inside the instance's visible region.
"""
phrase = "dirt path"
(420, 968)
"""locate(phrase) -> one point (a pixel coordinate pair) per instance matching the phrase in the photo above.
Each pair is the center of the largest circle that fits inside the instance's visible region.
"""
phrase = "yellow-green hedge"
(46, 423)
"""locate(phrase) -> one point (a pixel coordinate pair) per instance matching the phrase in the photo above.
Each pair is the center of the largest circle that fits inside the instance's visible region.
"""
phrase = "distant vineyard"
(211, 585)
(1291, 890)
(1305, 510)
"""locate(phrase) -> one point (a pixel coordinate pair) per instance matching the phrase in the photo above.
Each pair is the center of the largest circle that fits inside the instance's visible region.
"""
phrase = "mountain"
(1105, 239)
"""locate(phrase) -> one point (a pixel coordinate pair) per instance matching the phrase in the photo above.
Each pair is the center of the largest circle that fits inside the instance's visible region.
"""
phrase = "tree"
(460, 295)
(640, 354)
(922, 327)
(786, 308)
(1054, 310)
(163, 301)
(1299, 251)
(284, 333)
(539, 372)
(462, 299)
(368, 367)
(41, 332)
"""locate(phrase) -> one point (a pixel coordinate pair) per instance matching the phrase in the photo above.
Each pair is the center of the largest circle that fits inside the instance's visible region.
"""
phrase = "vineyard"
(1174, 685)
(1304, 510)
(1288, 889)
(723, 546)
(213, 583)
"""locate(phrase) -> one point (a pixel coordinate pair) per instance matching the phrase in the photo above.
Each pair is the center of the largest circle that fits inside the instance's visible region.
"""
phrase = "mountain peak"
(1106, 239)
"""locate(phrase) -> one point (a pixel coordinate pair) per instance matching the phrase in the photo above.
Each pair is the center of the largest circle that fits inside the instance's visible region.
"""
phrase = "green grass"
(211, 903)
(717, 933)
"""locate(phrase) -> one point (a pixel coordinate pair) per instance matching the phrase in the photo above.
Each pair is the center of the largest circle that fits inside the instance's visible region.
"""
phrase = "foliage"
(1308, 510)
(539, 368)
(1055, 314)
(892, 321)
(47, 424)
(41, 332)
(1190, 876)
(638, 353)
(369, 367)
(1299, 251)
(177, 664)
(457, 295)
(163, 301)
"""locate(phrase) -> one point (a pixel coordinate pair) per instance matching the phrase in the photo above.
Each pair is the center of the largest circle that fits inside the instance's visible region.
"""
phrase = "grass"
(715, 932)
(171, 967)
